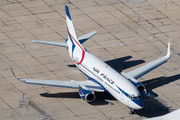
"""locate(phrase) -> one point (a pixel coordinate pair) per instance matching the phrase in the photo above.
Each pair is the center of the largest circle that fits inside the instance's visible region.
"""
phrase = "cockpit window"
(134, 97)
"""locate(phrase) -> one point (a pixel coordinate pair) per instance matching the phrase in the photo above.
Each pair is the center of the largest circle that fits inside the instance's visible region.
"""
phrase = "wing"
(139, 72)
(67, 84)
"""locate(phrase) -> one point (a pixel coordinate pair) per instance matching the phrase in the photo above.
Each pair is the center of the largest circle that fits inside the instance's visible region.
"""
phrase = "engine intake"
(138, 85)
(141, 89)
(87, 95)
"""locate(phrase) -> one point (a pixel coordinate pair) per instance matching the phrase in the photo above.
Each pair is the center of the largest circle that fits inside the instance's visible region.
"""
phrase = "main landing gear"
(131, 111)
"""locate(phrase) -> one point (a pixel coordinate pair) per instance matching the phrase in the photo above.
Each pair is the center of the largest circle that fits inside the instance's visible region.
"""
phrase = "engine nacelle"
(138, 85)
(87, 95)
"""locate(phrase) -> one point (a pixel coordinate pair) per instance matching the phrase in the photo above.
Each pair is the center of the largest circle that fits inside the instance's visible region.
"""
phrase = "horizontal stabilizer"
(62, 44)
(83, 38)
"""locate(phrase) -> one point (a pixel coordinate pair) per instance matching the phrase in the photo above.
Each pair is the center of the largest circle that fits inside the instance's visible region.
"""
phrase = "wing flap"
(62, 44)
(139, 72)
(67, 84)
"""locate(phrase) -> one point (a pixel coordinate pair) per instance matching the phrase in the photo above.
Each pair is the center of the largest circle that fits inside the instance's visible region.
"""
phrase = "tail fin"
(70, 28)
(76, 51)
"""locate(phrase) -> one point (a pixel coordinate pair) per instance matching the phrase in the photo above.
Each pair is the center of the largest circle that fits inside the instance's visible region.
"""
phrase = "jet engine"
(87, 95)
(138, 85)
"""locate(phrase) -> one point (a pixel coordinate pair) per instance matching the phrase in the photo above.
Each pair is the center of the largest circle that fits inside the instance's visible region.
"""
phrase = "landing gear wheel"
(131, 111)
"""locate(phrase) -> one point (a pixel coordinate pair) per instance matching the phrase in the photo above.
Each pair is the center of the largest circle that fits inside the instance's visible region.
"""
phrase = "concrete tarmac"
(135, 32)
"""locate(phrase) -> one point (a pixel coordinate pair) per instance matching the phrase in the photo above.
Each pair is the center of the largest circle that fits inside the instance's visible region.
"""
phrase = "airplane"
(101, 77)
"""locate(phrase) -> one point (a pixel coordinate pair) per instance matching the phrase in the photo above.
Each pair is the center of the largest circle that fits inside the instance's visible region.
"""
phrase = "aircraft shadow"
(100, 97)
(152, 84)
(157, 82)
(120, 64)
(151, 114)
(61, 95)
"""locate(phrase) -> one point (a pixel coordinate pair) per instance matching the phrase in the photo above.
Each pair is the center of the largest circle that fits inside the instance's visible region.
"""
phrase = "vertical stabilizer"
(77, 52)
(70, 27)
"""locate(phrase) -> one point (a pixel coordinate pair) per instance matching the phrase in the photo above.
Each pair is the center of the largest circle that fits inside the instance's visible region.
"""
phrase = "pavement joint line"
(144, 29)
(22, 48)
(136, 23)
(103, 33)
(53, 29)
(9, 106)
(32, 35)
(118, 38)
(57, 54)
(54, 11)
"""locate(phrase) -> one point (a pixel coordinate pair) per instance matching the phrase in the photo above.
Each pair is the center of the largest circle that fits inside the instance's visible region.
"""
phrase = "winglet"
(13, 72)
(168, 51)
(33, 40)
(15, 75)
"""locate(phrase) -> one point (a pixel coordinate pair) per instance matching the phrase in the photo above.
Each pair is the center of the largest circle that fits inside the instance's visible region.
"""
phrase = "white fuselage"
(98, 71)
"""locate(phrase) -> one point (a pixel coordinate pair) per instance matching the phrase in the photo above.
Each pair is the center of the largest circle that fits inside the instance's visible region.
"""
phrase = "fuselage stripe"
(98, 81)
(83, 54)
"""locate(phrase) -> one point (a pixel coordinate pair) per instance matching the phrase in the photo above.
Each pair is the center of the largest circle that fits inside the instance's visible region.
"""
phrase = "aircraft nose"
(138, 104)
(139, 107)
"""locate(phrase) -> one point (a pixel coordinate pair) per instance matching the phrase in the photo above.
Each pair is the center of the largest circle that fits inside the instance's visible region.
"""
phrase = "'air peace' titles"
(104, 76)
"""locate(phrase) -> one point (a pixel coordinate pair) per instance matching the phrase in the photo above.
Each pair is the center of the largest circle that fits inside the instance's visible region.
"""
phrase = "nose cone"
(138, 104)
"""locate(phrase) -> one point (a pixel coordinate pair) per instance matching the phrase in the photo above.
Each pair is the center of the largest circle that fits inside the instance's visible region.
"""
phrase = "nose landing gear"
(131, 111)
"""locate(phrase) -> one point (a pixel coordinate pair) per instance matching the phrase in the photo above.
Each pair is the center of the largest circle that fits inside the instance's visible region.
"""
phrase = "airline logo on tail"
(76, 46)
